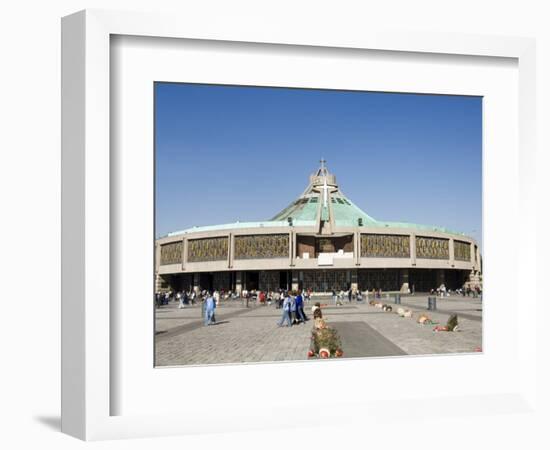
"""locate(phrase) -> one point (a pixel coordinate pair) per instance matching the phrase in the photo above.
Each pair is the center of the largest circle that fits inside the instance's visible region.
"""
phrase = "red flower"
(310, 354)
(324, 353)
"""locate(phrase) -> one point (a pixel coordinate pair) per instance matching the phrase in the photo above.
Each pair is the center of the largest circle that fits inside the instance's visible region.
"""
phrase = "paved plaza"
(251, 334)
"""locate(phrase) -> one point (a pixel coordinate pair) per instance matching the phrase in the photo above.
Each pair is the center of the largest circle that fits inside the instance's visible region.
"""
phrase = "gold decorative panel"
(261, 246)
(171, 253)
(432, 248)
(462, 251)
(209, 249)
(385, 246)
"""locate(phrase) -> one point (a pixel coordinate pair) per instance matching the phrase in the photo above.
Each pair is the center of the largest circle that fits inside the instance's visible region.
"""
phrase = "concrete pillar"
(440, 277)
(295, 281)
(474, 279)
(452, 252)
(196, 282)
(238, 282)
(183, 253)
(231, 250)
(290, 259)
(158, 283)
(293, 249)
(357, 247)
(412, 244)
(354, 285)
(404, 281)
(157, 257)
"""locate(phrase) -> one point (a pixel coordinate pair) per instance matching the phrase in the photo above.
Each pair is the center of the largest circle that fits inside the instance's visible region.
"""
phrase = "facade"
(321, 241)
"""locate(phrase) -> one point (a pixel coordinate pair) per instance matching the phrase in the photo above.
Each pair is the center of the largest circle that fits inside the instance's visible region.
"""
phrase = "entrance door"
(252, 280)
(283, 280)
(206, 281)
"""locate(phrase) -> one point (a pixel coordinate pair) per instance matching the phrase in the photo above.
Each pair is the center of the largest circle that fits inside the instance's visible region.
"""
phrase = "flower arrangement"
(452, 325)
(325, 342)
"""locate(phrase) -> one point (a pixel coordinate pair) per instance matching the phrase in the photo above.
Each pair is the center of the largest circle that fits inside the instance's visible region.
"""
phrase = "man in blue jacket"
(300, 315)
(209, 307)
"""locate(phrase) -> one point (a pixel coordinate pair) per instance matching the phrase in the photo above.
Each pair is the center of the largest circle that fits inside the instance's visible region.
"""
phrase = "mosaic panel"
(385, 246)
(462, 251)
(171, 253)
(432, 248)
(209, 249)
(261, 246)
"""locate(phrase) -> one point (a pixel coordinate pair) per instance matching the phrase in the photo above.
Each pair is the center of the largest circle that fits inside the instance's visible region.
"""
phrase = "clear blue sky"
(228, 153)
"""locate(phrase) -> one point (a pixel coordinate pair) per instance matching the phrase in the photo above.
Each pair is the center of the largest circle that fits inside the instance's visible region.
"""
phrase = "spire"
(323, 171)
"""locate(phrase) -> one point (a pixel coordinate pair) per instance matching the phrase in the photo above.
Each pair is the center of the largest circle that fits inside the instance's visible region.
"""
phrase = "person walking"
(286, 312)
(209, 307)
(180, 297)
(334, 297)
(300, 315)
(293, 309)
(277, 299)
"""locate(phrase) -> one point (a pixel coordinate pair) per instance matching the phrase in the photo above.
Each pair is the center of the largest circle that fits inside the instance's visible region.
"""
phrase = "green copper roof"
(321, 202)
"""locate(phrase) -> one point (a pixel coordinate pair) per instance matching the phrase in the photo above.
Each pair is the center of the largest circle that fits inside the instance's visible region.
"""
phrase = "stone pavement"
(251, 334)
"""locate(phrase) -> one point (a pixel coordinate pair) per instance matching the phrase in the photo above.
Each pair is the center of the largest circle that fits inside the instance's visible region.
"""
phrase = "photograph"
(300, 224)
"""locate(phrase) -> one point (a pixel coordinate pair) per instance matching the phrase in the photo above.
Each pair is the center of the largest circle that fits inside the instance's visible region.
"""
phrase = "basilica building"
(321, 241)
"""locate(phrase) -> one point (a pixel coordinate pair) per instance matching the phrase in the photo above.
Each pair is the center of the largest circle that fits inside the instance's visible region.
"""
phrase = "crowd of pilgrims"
(260, 297)
(291, 302)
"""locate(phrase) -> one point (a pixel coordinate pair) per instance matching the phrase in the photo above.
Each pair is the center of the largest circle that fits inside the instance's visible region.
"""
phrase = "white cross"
(325, 192)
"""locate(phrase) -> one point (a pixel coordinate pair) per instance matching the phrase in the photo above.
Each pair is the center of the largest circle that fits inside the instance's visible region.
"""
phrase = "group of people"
(468, 291)
(193, 296)
(268, 297)
(352, 295)
(465, 290)
(292, 304)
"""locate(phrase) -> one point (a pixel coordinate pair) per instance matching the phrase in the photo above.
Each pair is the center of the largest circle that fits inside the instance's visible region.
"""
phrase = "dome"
(323, 207)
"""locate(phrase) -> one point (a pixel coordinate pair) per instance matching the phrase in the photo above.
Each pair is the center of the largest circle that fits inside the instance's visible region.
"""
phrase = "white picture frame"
(87, 325)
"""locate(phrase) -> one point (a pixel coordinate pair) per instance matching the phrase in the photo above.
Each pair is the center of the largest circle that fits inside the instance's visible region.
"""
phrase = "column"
(159, 282)
(196, 282)
(412, 244)
(440, 277)
(290, 259)
(293, 249)
(404, 281)
(452, 252)
(183, 253)
(354, 285)
(157, 257)
(357, 252)
(238, 282)
(295, 281)
(231, 250)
